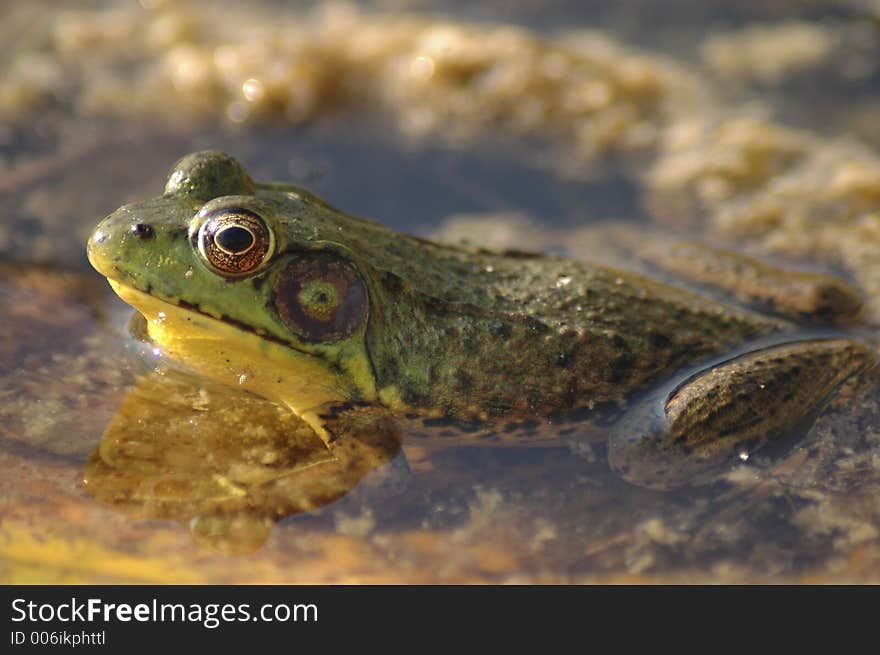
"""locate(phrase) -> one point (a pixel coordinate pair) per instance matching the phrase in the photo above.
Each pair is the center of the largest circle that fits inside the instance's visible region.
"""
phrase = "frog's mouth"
(233, 355)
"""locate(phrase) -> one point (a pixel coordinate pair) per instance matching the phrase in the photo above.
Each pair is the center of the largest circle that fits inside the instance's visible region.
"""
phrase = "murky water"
(115, 467)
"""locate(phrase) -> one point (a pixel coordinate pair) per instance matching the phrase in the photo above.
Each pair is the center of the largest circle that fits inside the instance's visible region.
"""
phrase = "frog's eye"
(235, 242)
(321, 297)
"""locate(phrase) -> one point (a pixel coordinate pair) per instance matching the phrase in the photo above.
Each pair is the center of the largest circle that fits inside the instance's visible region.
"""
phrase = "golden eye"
(234, 241)
(321, 297)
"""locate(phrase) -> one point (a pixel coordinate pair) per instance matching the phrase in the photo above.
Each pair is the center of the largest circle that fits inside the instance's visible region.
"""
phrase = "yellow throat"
(230, 355)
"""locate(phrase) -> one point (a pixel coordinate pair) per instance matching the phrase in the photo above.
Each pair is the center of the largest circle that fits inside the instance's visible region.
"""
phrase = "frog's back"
(468, 332)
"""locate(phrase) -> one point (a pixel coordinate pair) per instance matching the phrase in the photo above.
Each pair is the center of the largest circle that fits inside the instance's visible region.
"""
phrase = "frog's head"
(244, 283)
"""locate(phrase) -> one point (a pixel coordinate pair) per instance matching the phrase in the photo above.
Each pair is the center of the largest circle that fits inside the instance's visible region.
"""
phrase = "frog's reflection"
(227, 462)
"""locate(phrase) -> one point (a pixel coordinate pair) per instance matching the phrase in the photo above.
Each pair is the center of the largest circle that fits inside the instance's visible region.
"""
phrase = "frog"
(270, 288)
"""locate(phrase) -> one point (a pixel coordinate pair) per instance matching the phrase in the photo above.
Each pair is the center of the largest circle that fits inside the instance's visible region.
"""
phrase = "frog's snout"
(110, 238)
(102, 240)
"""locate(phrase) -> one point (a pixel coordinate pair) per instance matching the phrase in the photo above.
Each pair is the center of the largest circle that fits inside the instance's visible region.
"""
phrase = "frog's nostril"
(99, 237)
(142, 230)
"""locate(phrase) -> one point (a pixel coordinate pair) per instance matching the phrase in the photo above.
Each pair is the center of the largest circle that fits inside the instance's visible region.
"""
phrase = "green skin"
(449, 331)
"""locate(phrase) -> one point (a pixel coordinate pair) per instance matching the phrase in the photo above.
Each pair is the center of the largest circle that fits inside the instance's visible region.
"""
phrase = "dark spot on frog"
(392, 282)
(658, 340)
(258, 283)
(537, 327)
(529, 427)
(563, 359)
(621, 366)
(499, 406)
(387, 368)
(499, 329)
(470, 426)
(411, 396)
(142, 231)
(440, 421)
(519, 254)
(336, 409)
(465, 381)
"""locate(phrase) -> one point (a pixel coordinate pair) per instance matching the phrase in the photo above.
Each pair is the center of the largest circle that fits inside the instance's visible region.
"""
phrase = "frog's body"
(269, 287)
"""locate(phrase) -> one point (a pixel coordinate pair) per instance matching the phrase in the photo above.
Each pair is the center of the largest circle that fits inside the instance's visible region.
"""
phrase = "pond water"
(537, 125)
